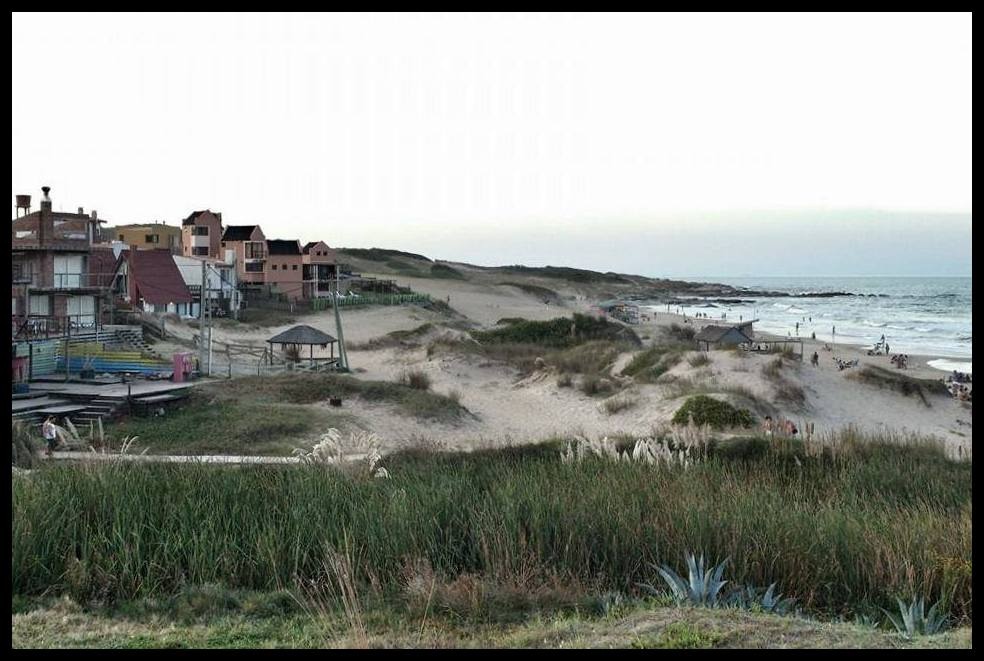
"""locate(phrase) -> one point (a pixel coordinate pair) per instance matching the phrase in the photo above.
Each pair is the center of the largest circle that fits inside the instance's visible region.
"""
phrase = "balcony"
(35, 327)
(60, 281)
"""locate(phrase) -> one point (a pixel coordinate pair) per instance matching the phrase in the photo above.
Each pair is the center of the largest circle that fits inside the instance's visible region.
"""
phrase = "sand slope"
(508, 409)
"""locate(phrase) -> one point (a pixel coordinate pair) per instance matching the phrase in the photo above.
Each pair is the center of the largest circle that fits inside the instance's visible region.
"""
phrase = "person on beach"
(815, 359)
(813, 335)
(50, 433)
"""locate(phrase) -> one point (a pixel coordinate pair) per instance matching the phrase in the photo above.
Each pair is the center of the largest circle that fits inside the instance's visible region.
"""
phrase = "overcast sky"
(674, 145)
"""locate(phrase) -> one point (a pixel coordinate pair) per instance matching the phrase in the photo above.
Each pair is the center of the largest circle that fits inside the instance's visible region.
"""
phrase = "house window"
(254, 250)
(201, 251)
(152, 238)
(223, 244)
(121, 237)
(68, 271)
(254, 267)
(283, 266)
(199, 230)
(38, 305)
(293, 267)
(274, 267)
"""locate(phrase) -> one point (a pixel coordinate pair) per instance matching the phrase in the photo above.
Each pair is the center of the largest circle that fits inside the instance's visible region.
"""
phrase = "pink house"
(285, 267)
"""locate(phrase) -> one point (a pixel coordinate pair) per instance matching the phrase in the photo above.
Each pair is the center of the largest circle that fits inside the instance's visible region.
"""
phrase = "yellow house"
(150, 236)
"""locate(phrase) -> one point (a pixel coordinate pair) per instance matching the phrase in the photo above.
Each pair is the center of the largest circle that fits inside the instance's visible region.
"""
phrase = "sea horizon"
(929, 315)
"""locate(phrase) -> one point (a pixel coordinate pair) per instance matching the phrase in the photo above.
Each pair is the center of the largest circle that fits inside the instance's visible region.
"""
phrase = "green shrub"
(561, 332)
(647, 366)
(709, 411)
(23, 448)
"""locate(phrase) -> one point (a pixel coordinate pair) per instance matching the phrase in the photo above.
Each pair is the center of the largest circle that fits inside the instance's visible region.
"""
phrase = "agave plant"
(752, 598)
(915, 621)
(702, 587)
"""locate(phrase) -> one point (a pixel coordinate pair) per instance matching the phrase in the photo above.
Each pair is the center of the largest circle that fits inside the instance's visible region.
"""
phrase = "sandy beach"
(508, 408)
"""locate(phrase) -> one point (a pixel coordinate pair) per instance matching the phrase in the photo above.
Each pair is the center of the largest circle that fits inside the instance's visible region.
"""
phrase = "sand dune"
(510, 409)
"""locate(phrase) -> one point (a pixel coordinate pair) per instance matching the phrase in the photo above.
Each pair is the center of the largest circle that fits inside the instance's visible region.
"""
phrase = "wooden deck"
(111, 390)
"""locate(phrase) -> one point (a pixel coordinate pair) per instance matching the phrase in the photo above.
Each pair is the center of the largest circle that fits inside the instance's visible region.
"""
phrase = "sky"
(661, 144)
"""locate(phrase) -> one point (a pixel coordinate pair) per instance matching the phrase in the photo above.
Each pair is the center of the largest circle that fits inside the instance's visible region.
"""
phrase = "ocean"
(928, 316)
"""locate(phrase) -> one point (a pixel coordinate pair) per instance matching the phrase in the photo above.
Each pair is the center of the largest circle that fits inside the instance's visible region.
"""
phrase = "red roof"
(157, 277)
(102, 267)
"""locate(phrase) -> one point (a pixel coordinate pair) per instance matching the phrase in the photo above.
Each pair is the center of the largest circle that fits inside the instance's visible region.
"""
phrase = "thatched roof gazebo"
(299, 336)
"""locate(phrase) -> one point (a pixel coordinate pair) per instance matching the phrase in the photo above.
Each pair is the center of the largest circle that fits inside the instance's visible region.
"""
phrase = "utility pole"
(201, 322)
(342, 355)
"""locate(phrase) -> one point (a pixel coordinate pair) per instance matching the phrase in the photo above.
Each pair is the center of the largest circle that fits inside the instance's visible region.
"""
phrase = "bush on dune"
(706, 410)
(558, 333)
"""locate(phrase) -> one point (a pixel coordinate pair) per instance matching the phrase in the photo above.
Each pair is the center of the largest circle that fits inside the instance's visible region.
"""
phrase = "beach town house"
(149, 281)
(249, 247)
(320, 269)
(221, 283)
(201, 235)
(285, 268)
(60, 278)
(149, 236)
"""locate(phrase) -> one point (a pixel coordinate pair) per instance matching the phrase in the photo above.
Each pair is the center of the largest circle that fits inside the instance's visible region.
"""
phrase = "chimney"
(93, 215)
(45, 201)
(81, 211)
(23, 205)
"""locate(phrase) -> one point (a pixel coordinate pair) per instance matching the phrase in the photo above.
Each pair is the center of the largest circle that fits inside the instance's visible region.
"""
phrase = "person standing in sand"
(815, 360)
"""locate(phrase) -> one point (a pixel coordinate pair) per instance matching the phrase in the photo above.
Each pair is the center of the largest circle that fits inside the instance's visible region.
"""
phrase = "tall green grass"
(841, 533)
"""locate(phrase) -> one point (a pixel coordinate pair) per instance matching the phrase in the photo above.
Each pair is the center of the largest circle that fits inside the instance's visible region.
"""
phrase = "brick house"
(56, 284)
(201, 235)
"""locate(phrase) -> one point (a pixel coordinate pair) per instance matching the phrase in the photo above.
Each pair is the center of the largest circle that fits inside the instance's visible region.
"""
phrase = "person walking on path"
(815, 359)
(50, 433)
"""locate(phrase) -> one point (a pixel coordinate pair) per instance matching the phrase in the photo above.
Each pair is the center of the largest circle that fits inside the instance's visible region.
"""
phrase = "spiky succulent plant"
(914, 621)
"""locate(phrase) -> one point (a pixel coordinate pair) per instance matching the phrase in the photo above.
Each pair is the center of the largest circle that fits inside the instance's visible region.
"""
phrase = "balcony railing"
(36, 326)
(61, 280)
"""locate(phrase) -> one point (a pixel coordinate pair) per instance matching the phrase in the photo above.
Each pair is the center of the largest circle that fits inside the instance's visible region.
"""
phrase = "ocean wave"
(874, 324)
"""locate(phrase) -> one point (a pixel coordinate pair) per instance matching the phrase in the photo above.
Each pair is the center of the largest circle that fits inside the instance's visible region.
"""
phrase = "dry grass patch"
(416, 379)
(699, 359)
(619, 403)
(900, 383)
